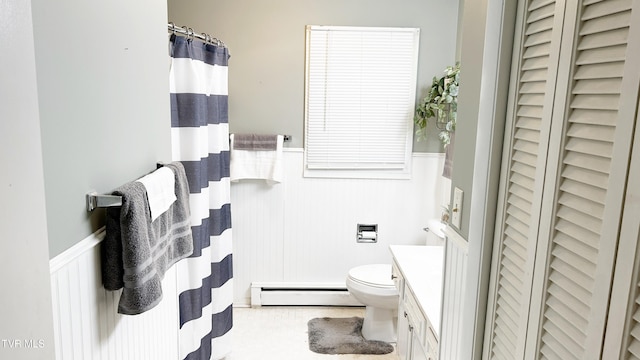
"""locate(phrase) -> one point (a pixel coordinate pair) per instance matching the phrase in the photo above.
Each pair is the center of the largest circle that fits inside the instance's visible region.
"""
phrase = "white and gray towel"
(256, 157)
(160, 186)
(136, 251)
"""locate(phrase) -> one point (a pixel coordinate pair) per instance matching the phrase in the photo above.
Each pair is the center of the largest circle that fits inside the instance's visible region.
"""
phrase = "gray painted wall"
(471, 61)
(102, 72)
(25, 306)
(266, 40)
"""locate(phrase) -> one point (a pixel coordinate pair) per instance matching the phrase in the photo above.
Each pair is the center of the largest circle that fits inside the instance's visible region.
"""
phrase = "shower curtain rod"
(189, 32)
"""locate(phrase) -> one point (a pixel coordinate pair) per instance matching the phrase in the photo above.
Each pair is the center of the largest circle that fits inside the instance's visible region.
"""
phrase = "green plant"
(441, 103)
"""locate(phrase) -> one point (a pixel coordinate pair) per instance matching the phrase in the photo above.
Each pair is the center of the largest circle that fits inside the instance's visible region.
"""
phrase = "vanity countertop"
(422, 266)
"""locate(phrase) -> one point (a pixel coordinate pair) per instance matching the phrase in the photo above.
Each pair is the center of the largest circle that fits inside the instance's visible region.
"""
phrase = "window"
(359, 101)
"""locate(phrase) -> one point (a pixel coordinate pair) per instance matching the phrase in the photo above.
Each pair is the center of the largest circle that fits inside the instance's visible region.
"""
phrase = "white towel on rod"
(160, 186)
(257, 164)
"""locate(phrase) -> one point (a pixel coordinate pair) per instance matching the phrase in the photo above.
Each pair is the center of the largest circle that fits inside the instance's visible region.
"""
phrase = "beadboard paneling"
(86, 323)
(304, 229)
(455, 270)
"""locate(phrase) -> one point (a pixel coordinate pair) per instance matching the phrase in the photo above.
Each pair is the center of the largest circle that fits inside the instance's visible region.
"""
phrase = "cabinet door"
(432, 343)
(417, 351)
(404, 336)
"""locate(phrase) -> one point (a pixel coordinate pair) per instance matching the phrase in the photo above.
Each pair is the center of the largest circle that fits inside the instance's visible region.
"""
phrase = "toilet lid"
(378, 275)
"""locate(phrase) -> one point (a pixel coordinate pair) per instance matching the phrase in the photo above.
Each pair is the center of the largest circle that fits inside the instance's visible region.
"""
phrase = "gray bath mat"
(342, 336)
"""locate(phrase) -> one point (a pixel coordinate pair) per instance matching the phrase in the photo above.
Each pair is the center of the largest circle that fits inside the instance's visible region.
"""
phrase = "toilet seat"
(374, 275)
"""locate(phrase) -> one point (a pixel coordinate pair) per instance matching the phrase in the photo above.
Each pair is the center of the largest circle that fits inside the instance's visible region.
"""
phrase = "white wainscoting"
(455, 270)
(304, 229)
(86, 323)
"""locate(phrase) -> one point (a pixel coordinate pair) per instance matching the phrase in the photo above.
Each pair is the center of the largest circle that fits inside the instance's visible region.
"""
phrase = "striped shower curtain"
(200, 140)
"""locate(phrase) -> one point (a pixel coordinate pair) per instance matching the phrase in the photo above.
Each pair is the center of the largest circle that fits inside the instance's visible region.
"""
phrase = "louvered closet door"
(527, 134)
(622, 340)
(584, 188)
(622, 334)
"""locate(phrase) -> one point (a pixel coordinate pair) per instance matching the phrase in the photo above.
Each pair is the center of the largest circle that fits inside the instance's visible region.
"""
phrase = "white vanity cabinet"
(417, 273)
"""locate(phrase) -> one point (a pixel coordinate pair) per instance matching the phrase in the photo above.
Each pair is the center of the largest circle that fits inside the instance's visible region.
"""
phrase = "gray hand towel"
(136, 252)
(255, 142)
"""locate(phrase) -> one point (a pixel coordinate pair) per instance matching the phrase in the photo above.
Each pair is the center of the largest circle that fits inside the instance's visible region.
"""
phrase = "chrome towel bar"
(95, 201)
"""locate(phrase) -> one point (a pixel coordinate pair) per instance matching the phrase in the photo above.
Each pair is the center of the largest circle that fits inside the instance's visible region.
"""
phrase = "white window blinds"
(360, 98)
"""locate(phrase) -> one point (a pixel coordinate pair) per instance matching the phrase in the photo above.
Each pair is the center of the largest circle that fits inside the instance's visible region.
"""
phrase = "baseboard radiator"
(320, 294)
(87, 325)
(455, 270)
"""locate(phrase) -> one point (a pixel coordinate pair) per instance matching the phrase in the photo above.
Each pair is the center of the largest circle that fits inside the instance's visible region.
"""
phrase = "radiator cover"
(319, 294)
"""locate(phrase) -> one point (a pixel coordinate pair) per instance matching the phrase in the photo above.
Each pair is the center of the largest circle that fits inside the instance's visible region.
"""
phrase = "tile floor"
(280, 333)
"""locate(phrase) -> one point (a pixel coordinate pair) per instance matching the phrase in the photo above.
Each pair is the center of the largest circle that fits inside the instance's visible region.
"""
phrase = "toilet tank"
(435, 232)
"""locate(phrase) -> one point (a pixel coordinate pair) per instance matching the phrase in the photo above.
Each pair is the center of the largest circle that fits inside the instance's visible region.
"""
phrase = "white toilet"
(372, 285)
